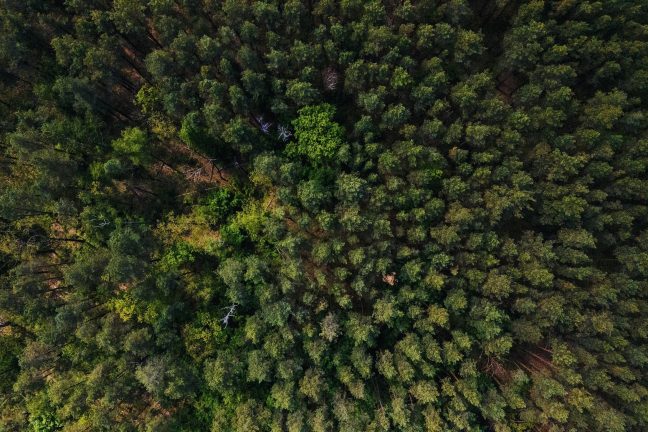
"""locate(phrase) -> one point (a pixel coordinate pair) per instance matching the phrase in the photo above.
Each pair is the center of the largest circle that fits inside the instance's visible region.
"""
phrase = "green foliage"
(220, 205)
(132, 144)
(195, 135)
(323, 216)
(45, 423)
(318, 136)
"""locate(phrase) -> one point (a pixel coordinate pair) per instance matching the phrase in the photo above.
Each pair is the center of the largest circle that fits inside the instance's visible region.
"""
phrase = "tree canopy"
(312, 216)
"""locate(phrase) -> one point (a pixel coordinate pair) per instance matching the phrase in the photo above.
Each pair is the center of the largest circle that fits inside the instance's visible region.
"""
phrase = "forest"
(323, 215)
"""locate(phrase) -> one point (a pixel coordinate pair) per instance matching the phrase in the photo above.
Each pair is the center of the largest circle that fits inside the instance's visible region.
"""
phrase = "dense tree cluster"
(355, 215)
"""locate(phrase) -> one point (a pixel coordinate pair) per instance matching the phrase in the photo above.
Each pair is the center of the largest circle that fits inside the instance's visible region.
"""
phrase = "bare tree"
(194, 173)
(230, 313)
(331, 78)
(263, 125)
(100, 223)
(284, 133)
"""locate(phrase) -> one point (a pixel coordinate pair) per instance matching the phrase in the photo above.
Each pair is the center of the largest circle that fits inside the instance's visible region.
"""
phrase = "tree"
(318, 136)
(132, 144)
(357, 215)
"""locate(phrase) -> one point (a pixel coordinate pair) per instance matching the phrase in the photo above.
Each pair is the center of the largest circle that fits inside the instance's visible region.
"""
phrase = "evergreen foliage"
(318, 216)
